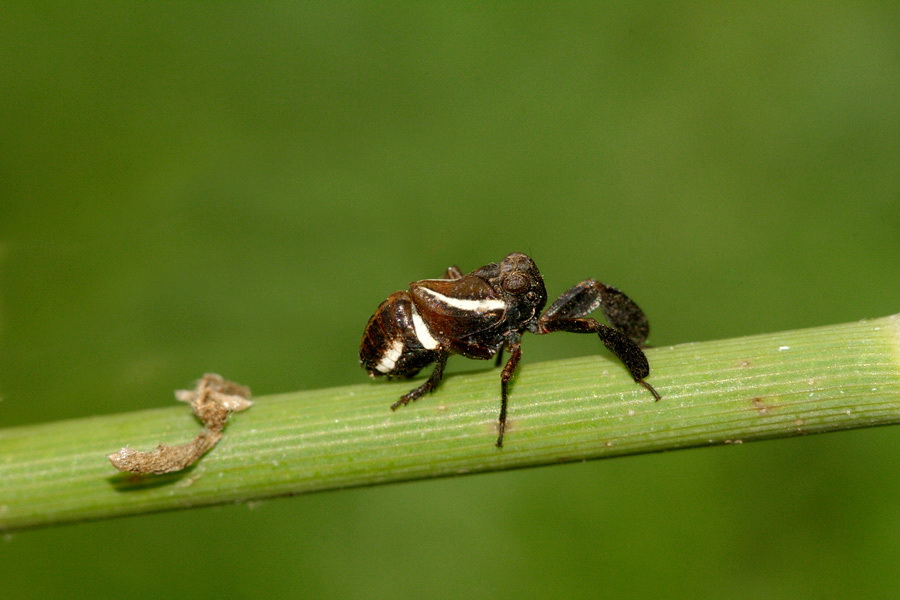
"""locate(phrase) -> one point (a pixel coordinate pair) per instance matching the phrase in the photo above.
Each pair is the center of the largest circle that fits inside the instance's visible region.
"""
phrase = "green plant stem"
(718, 392)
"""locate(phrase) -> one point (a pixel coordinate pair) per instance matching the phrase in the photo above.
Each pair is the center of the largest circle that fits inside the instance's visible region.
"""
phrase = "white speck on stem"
(781, 348)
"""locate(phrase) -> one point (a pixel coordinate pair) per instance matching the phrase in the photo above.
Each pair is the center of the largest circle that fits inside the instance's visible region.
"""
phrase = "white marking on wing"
(464, 304)
(390, 357)
(425, 338)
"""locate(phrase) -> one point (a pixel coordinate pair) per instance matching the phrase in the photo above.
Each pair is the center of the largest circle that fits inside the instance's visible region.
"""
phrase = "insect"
(480, 314)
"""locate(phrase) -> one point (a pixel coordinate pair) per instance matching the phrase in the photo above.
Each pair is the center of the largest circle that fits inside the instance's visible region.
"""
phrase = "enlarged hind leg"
(620, 311)
(618, 343)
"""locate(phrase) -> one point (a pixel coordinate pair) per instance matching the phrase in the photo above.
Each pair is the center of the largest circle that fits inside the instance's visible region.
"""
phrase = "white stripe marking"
(463, 304)
(390, 357)
(425, 338)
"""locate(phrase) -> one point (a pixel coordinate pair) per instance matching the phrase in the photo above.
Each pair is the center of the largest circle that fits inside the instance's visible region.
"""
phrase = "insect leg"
(426, 387)
(453, 272)
(621, 311)
(515, 352)
(499, 359)
(617, 341)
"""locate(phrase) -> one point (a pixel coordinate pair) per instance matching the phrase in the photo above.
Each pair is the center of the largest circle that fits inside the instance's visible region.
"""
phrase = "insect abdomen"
(396, 342)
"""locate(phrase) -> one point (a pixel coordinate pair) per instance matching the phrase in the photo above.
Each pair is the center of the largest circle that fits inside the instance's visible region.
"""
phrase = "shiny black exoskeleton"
(479, 314)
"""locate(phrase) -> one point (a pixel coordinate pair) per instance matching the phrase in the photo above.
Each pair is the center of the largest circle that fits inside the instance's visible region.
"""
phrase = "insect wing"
(455, 309)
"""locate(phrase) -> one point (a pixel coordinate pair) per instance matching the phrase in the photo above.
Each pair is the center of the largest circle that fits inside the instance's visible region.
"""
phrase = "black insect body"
(480, 314)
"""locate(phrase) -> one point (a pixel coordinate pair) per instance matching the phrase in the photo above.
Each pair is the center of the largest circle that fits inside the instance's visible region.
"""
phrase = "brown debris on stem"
(212, 401)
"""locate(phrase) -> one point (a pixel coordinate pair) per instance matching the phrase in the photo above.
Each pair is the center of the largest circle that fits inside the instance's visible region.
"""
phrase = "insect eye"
(516, 283)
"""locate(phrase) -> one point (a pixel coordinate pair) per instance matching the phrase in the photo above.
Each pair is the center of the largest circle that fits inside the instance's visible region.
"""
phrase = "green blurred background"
(235, 187)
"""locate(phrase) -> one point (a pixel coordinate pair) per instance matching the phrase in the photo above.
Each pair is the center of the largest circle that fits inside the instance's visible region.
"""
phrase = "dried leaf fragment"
(212, 401)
